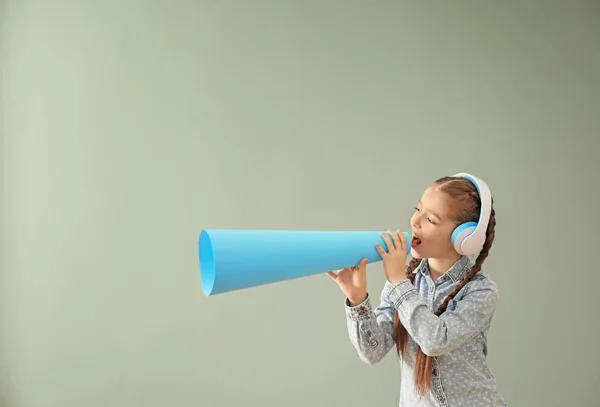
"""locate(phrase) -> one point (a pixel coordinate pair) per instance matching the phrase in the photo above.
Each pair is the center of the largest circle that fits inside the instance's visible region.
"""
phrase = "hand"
(394, 260)
(352, 281)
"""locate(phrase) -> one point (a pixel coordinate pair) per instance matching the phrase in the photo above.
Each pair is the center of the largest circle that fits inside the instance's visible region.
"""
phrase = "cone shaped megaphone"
(237, 259)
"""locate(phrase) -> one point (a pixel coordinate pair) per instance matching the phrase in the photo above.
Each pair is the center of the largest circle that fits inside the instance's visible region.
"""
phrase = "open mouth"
(415, 241)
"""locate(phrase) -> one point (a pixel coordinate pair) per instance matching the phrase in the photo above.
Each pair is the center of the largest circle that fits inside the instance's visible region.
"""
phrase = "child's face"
(432, 226)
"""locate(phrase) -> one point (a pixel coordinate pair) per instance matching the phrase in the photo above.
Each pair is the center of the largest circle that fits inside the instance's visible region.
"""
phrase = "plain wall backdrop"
(128, 126)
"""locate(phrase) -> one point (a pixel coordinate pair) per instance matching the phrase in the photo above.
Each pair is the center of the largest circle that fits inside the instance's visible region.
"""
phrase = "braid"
(414, 263)
(400, 333)
(476, 268)
(470, 205)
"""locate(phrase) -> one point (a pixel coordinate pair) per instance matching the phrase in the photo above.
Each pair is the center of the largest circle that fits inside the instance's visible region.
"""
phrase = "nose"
(414, 220)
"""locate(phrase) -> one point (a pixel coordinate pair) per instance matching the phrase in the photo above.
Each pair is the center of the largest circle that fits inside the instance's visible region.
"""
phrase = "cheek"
(439, 236)
(444, 238)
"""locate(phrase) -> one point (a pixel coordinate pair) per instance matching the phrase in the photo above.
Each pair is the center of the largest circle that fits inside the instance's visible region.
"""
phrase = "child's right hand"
(353, 282)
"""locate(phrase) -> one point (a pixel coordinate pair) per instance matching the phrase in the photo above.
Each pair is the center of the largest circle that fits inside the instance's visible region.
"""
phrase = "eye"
(416, 209)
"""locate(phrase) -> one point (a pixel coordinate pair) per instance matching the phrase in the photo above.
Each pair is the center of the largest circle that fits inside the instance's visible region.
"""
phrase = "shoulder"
(482, 284)
(482, 280)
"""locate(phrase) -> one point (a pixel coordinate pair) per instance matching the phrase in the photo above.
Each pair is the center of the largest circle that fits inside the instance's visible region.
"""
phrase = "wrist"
(395, 280)
(355, 300)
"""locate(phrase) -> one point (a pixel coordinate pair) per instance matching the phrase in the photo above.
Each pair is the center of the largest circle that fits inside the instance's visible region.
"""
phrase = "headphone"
(469, 237)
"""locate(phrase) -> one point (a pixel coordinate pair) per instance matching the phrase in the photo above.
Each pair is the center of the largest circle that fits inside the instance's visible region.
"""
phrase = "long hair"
(466, 208)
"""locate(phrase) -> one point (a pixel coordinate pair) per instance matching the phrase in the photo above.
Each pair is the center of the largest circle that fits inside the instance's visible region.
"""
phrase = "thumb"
(363, 265)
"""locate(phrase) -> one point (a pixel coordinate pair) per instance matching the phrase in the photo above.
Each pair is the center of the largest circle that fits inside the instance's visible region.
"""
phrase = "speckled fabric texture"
(457, 339)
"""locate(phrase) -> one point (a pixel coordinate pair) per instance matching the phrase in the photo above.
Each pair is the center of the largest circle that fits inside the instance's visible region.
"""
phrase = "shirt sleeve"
(370, 330)
(463, 318)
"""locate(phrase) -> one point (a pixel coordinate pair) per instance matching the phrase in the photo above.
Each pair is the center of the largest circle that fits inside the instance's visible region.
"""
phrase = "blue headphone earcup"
(459, 230)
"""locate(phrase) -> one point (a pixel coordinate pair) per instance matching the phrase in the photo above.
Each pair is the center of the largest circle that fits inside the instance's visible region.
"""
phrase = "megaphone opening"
(237, 259)
(207, 263)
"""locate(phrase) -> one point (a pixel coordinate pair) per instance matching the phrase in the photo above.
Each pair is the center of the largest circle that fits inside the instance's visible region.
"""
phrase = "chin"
(416, 252)
(423, 253)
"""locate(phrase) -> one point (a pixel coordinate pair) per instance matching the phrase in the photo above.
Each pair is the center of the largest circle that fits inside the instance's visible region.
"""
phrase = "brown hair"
(467, 207)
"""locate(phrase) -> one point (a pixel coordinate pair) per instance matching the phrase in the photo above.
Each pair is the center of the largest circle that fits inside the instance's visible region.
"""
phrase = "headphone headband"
(469, 237)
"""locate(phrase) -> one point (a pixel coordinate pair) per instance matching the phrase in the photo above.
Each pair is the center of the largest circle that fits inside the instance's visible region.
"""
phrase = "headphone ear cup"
(460, 233)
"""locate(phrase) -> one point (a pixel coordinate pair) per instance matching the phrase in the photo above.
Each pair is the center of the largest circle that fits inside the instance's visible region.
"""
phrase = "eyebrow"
(432, 212)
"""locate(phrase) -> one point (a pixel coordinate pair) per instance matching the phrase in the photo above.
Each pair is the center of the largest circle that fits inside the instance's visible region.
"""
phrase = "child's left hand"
(394, 260)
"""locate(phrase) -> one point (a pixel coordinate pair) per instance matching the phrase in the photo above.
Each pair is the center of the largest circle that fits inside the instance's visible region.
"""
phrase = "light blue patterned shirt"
(457, 339)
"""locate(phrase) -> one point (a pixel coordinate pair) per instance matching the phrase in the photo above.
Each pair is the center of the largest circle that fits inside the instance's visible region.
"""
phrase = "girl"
(437, 311)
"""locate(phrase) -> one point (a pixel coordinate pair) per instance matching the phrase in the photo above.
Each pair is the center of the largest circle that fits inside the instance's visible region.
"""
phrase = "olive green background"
(128, 126)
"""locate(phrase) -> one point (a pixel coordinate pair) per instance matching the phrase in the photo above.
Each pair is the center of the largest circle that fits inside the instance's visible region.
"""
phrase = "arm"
(440, 335)
(370, 331)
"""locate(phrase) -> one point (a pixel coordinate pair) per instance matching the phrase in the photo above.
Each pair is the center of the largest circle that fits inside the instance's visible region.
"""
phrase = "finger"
(402, 239)
(388, 242)
(363, 265)
(396, 239)
(333, 275)
(380, 250)
(355, 269)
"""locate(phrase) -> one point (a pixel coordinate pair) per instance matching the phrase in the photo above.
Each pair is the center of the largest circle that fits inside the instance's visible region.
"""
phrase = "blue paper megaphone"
(237, 259)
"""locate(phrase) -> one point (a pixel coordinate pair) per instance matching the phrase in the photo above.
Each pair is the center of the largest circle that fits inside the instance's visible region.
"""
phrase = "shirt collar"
(455, 273)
